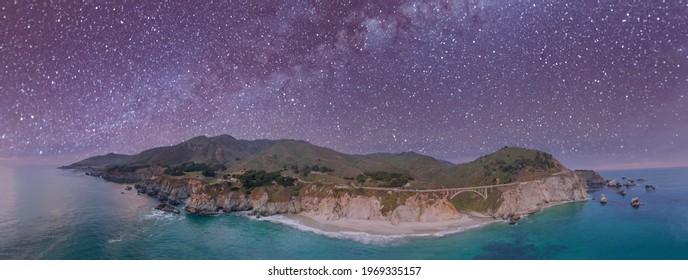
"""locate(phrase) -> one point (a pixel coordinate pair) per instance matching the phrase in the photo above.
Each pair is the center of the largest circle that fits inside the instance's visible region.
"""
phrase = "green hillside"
(284, 154)
(419, 166)
(507, 165)
(303, 160)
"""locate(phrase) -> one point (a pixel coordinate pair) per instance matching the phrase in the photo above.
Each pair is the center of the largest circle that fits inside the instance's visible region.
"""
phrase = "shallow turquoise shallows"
(48, 213)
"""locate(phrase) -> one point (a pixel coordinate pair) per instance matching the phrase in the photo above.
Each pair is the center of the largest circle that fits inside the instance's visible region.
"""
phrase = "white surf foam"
(160, 215)
(362, 237)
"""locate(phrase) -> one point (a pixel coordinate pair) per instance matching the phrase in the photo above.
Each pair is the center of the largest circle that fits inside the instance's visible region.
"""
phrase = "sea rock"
(613, 184)
(167, 208)
(603, 199)
(201, 204)
(513, 219)
(622, 192)
(128, 188)
(635, 202)
(649, 187)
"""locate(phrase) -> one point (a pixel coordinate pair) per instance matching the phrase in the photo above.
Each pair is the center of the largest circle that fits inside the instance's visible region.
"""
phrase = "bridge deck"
(481, 190)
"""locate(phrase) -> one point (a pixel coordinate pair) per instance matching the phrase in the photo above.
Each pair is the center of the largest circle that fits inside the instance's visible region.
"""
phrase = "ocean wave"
(160, 215)
(114, 240)
(358, 236)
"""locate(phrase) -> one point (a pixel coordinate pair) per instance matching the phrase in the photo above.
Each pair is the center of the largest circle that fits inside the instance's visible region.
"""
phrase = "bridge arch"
(480, 191)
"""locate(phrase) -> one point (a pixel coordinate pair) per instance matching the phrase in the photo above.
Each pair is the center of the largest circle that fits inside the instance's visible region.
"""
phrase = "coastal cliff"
(268, 177)
(334, 203)
(171, 190)
(325, 202)
(529, 197)
(391, 206)
(592, 178)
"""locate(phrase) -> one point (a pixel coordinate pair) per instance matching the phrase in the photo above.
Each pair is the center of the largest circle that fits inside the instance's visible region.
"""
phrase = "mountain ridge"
(508, 164)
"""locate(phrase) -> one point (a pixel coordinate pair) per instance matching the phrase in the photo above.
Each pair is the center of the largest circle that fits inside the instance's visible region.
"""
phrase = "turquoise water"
(47, 213)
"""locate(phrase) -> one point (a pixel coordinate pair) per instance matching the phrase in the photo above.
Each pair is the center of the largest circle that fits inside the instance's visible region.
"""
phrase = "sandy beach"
(466, 221)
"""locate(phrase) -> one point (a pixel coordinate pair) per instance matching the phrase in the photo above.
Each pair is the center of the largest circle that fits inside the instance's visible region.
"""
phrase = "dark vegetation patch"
(307, 169)
(256, 178)
(191, 166)
(385, 179)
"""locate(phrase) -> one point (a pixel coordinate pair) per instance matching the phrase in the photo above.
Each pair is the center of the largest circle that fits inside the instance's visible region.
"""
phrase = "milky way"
(596, 84)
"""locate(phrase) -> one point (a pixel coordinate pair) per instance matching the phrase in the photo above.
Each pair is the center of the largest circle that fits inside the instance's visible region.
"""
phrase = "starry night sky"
(595, 84)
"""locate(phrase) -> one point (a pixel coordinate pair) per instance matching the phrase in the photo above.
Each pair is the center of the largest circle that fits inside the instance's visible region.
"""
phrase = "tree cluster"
(307, 169)
(256, 178)
(191, 166)
(387, 179)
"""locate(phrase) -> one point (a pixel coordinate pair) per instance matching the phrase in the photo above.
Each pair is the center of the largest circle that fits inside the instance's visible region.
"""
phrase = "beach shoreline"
(386, 228)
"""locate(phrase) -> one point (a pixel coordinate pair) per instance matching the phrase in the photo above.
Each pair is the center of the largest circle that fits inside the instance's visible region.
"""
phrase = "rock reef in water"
(635, 202)
(167, 208)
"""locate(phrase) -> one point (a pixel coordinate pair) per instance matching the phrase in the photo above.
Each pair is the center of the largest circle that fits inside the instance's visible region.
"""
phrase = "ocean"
(50, 213)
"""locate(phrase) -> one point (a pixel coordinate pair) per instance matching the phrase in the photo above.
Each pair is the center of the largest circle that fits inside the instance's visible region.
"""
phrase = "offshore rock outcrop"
(166, 207)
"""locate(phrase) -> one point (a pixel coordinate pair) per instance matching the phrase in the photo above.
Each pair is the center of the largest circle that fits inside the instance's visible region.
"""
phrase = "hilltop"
(267, 177)
(308, 162)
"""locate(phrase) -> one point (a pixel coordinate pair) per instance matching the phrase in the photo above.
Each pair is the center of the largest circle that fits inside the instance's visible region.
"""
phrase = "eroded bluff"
(339, 202)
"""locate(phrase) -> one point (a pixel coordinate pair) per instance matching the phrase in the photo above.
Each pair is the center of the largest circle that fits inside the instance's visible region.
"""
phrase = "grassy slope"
(504, 166)
(507, 165)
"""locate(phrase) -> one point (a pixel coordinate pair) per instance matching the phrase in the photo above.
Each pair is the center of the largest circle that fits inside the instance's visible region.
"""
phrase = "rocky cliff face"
(592, 178)
(171, 190)
(201, 204)
(332, 203)
(258, 202)
(414, 208)
(418, 207)
(533, 196)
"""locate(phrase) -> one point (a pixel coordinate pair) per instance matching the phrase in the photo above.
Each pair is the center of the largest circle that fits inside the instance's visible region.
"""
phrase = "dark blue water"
(47, 213)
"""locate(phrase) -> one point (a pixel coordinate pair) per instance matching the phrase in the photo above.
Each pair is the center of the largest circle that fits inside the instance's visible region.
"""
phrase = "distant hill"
(417, 165)
(222, 149)
(292, 156)
(507, 165)
(110, 159)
